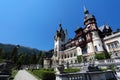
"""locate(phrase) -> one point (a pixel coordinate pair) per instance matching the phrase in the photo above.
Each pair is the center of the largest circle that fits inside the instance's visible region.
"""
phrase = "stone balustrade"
(98, 75)
(96, 62)
(71, 76)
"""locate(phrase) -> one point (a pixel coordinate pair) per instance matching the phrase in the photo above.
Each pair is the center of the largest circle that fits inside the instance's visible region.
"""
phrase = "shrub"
(103, 69)
(79, 58)
(100, 56)
(112, 67)
(71, 70)
(45, 74)
(107, 55)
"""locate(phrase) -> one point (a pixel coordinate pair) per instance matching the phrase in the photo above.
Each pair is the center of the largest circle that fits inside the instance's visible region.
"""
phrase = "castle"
(87, 42)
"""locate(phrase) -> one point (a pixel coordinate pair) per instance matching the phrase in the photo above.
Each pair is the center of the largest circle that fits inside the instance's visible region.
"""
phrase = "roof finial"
(60, 27)
(85, 10)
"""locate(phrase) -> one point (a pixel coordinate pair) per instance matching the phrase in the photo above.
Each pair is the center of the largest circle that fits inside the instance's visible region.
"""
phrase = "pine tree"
(1, 54)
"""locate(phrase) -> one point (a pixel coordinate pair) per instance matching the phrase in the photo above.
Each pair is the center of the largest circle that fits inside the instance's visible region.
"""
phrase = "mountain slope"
(9, 48)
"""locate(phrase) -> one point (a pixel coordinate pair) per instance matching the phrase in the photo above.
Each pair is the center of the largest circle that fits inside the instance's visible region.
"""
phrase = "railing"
(96, 62)
(108, 75)
(107, 62)
(71, 76)
(4, 77)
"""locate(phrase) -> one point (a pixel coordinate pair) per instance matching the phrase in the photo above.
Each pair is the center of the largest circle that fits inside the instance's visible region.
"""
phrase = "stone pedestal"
(89, 68)
(59, 69)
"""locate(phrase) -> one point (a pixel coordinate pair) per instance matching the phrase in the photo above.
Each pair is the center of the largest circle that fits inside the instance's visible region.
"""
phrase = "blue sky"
(33, 23)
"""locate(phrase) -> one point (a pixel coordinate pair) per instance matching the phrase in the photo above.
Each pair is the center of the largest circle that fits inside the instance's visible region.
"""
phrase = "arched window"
(65, 55)
(68, 55)
(75, 54)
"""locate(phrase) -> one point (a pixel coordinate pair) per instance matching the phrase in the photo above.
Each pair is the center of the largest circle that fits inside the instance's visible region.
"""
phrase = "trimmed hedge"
(103, 69)
(47, 75)
(71, 70)
(100, 56)
(44, 74)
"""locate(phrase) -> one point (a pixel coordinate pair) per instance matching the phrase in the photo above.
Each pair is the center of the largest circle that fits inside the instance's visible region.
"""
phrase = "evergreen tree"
(14, 54)
(42, 59)
(1, 55)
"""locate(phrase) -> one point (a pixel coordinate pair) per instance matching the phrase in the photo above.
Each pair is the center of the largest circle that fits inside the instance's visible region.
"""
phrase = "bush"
(71, 70)
(112, 67)
(49, 69)
(107, 55)
(79, 58)
(45, 74)
(103, 69)
(100, 56)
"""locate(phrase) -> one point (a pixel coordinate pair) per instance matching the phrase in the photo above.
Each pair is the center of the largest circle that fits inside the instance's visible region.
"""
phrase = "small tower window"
(96, 49)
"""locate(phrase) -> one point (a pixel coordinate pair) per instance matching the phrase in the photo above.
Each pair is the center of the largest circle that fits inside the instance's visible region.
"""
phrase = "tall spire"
(85, 10)
(60, 27)
(87, 15)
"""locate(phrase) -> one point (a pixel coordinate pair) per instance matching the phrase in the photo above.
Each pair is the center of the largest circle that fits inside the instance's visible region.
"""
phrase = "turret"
(93, 39)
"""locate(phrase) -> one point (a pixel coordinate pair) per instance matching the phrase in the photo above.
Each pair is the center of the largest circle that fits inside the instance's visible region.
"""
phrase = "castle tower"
(60, 39)
(93, 39)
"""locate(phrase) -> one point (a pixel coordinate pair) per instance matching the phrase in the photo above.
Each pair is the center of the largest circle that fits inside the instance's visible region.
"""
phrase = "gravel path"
(24, 75)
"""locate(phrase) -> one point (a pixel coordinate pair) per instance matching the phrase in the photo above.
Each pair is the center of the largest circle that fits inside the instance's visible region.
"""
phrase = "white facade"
(112, 44)
(97, 42)
(87, 42)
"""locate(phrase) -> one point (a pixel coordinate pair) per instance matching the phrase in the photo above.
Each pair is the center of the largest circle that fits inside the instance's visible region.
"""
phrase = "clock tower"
(60, 39)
